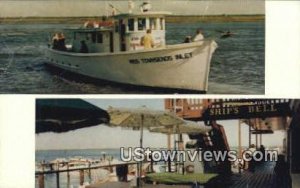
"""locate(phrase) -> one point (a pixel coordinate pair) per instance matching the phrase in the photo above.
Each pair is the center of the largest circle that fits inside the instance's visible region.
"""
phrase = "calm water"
(48, 155)
(237, 66)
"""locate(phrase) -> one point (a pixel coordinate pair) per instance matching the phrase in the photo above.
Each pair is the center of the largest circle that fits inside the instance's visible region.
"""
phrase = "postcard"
(166, 142)
(132, 47)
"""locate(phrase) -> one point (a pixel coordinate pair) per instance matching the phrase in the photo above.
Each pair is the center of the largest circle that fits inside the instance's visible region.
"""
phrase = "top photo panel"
(132, 47)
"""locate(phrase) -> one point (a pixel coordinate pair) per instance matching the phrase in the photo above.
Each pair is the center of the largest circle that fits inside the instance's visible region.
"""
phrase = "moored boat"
(113, 50)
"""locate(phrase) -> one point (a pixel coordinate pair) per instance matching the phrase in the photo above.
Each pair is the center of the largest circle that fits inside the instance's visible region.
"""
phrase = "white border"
(282, 81)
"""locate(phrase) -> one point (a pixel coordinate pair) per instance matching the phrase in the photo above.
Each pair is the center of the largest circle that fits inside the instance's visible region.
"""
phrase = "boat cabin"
(92, 40)
(124, 34)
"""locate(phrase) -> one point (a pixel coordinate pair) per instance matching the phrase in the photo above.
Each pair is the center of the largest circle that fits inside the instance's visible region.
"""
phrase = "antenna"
(114, 9)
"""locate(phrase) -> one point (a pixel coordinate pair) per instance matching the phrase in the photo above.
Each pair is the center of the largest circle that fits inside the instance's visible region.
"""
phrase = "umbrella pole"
(169, 148)
(141, 146)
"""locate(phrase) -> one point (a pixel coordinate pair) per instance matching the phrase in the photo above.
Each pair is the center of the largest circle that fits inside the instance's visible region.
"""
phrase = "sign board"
(246, 109)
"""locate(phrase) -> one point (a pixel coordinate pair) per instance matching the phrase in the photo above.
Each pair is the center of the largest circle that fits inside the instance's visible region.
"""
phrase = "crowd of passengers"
(58, 41)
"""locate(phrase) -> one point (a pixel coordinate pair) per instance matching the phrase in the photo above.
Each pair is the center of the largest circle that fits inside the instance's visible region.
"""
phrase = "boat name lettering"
(151, 60)
(184, 56)
(157, 59)
(161, 59)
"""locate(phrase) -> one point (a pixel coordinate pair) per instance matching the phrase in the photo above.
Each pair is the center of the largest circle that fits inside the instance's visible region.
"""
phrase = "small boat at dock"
(113, 50)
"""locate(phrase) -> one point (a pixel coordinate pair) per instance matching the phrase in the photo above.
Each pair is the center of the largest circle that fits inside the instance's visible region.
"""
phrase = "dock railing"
(41, 174)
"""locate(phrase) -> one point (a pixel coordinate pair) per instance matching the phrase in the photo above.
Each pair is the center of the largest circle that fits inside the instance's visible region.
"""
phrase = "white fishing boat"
(112, 50)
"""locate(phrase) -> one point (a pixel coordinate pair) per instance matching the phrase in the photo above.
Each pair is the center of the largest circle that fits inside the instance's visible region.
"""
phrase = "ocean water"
(50, 179)
(237, 66)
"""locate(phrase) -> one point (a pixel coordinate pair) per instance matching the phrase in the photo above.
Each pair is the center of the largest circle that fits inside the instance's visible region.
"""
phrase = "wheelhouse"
(130, 28)
(123, 34)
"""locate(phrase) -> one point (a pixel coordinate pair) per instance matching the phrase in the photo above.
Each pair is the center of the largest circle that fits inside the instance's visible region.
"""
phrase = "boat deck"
(262, 177)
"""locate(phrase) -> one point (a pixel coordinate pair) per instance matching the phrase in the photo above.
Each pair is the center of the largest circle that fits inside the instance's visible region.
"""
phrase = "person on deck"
(147, 40)
(262, 149)
(55, 41)
(188, 39)
(199, 36)
(61, 42)
(252, 162)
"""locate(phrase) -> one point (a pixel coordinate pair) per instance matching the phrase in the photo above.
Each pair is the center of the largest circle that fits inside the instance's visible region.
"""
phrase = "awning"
(62, 115)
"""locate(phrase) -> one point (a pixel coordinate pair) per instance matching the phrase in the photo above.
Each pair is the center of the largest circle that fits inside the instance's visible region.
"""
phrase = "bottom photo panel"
(182, 142)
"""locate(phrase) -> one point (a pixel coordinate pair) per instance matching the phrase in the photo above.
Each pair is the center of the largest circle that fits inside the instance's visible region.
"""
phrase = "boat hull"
(181, 66)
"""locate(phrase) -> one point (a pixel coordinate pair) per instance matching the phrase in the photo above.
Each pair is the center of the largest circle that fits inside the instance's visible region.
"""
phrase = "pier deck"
(262, 177)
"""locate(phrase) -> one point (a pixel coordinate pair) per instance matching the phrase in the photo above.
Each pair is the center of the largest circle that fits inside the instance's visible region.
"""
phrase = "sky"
(67, 8)
(103, 136)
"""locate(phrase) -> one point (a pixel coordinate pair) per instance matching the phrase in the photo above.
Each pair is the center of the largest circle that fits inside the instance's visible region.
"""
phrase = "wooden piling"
(57, 179)
(41, 181)
(81, 177)
(90, 174)
(68, 173)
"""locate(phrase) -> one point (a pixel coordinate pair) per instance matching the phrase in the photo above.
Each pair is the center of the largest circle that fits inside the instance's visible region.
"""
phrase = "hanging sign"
(245, 109)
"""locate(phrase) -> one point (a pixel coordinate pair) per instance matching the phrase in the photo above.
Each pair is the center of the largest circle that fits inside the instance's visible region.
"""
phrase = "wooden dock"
(262, 177)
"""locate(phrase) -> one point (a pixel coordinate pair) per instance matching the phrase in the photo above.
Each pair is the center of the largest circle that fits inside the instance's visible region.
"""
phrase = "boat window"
(99, 38)
(141, 24)
(162, 24)
(153, 25)
(94, 37)
(131, 24)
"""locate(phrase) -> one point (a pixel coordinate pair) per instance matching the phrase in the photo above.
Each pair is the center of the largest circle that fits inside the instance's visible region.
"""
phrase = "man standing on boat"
(199, 36)
(147, 40)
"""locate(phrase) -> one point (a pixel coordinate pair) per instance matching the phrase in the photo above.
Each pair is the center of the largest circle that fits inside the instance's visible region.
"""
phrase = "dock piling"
(68, 173)
(90, 174)
(41, 181)
(57, 179)
(81, 177)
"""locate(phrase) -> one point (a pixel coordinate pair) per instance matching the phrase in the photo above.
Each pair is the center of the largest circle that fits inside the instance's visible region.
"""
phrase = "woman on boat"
(199, 36)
